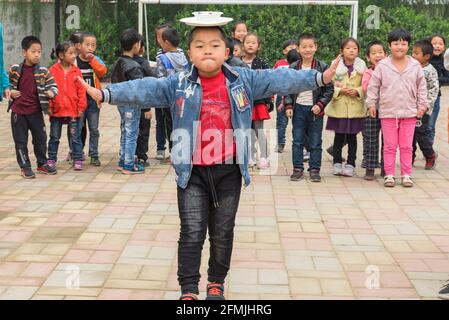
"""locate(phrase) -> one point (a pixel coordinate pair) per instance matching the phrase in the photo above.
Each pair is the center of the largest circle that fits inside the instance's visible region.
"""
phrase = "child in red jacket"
(68, 106)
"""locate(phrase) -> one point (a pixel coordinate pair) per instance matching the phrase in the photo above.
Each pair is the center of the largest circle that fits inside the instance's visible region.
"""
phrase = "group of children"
(213, 99)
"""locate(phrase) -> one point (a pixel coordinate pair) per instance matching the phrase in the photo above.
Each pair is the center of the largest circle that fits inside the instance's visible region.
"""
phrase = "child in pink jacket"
(399, 88)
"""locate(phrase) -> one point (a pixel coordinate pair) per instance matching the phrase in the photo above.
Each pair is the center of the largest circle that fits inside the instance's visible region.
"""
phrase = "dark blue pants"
(307, 127)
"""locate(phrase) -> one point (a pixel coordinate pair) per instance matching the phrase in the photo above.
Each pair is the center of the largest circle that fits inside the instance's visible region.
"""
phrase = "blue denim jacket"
(182, 93)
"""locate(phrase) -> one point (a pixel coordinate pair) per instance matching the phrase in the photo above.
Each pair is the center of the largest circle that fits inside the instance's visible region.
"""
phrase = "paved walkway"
(116, 236)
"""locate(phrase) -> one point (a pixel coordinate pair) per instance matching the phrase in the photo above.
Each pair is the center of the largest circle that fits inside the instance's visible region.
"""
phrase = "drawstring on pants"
(212, 188)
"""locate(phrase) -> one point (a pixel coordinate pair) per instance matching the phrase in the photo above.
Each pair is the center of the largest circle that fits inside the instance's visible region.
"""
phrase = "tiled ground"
(116, 236)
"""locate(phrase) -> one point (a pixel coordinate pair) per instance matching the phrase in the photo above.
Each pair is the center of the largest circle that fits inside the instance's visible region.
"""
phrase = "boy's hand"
(148, 115)
(372, 112)
(93, 92)
(90, 56)
(49, 94)
(14, 94)
(420, 113)
(7, 94)
(329, 74)
(289, 113)
(316, 109)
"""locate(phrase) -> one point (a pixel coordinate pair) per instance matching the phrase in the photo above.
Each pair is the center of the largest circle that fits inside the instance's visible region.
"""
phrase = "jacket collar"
(299, 65)
(230, 74)
(35, 67)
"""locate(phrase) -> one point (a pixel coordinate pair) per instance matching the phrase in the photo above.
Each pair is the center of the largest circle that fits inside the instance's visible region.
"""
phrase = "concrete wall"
(14, 32)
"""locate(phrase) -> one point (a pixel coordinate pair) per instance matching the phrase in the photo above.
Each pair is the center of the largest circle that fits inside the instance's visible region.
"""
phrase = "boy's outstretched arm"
(284, 81)
(137, 93)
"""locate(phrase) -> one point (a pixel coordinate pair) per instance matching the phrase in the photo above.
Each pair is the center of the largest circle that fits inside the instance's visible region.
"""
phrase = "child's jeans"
(20, 125)
(92, 117)
(306, 125)
(398, 132)
(422, 139)
(198, 213)
(281, 122)
(74, 130)
(129, 126)
(160, 130)
(143, 137)
(433, 119)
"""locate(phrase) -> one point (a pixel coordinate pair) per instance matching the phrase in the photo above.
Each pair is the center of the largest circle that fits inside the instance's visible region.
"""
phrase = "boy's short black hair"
(372, 44)
(293, 56)
(28, 41)
(426, 47)
(192, 34)
(87, 35)
(399, 34)
(75, 37)
(287, 43)
(171, 35)
(129, 38)
(307, 36)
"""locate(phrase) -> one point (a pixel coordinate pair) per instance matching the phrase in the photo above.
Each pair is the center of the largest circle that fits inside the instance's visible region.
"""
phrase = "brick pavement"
(345, 238)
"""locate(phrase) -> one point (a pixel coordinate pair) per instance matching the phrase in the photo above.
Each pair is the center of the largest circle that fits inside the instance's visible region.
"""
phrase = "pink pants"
(398, 132)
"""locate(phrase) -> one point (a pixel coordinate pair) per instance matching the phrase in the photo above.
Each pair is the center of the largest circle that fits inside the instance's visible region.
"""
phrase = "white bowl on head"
(206, 19)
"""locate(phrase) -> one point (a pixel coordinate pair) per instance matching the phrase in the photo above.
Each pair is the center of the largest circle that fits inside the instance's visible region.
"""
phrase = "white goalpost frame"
(353, 28)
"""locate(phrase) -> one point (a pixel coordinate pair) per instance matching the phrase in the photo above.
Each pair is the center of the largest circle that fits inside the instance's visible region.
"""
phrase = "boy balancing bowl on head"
(211, 106)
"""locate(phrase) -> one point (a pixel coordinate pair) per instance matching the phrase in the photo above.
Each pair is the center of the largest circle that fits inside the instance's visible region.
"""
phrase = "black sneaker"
(215, 291)
(315, 175)
(279, 148)
(27, 173)
(46, 169)
(143, 163)
(188, 296)
(298, 174)
(95, 161)
(370, 175)
(444, 292)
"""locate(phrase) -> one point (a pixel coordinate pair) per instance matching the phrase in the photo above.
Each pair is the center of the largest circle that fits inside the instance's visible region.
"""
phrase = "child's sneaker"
(279, 148)
(315, 175)
(444, 292)
(298, 174)
(78, 166)
(338, 168)
(263, 163)
(51, 164)
(120, 166)
(370, 175)
(143, 163)
(135, 169)
(27, 173)
(389, 181)
(348, 171)
(188, 296)
(160, 155)
(95, 161)
(47, 169)
(430, 162)
(407, 182)
(215, 291)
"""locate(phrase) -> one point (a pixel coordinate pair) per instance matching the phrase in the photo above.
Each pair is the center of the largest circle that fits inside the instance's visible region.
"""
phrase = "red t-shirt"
(215, 140)
(28, 102)
(283, 63)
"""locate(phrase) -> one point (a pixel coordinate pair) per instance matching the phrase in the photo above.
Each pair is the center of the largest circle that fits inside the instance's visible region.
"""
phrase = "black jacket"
(443, 75)
(126, 69)
(321, 96)
(148, 71)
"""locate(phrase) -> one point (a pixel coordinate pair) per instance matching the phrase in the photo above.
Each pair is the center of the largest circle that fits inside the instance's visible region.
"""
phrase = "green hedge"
(273, 23)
